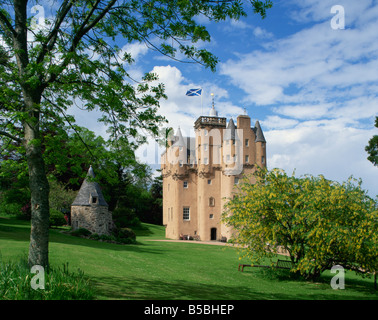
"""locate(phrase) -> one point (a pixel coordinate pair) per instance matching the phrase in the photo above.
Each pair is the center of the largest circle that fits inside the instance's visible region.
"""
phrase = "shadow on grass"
(12, 229)
(19, 230)
(137, 288)
(363, 285)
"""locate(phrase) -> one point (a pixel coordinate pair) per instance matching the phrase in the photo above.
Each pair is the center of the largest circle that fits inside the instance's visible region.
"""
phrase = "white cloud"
(303, 111)
(323, 148)
(262, 33)
(182, 110)
(322, 88)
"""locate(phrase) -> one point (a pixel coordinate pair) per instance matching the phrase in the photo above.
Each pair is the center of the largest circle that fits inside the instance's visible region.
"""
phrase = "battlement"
(205, 121)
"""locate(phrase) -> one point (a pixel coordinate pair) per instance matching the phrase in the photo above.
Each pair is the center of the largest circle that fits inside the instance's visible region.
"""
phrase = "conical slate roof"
(230, 132)
(88, 190)
(259, 134)
(180, 140)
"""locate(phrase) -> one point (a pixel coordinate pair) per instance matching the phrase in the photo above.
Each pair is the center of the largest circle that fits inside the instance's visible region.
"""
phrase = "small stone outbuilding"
(89, 209)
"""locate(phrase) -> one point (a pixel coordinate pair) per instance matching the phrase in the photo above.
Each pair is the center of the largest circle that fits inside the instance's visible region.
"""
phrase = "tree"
(372, 147)
(73, 56)
(320, 223)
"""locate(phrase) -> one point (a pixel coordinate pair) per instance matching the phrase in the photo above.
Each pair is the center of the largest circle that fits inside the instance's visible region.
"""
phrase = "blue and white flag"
(194, 92)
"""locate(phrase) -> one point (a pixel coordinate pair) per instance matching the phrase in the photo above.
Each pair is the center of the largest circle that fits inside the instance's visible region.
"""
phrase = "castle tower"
(200, 174)
(89, 209)
(209, 135)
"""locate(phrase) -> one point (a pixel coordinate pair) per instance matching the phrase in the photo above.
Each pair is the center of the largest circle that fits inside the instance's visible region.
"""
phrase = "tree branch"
(7, 26)
(6, 134)
(79, 35)
(52, 37)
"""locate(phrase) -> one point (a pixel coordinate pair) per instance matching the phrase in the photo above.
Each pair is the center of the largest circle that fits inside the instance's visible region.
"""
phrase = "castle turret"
(260, 146)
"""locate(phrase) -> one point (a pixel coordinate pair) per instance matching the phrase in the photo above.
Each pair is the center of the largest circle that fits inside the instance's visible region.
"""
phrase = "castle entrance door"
(213, 234)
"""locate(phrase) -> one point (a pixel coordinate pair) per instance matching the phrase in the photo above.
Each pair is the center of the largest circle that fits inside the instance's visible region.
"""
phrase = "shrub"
(10, 209)
(320, 223)
(94, 236)
(125, 217)
(60, 284)
(125, 235)
(81, 232)
(56, 218)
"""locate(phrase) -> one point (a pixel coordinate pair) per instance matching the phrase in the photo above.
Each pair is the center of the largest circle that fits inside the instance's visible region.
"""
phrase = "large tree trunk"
(39, 188)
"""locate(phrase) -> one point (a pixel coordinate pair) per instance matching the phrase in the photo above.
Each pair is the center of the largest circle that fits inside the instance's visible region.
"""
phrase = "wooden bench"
(281, 264)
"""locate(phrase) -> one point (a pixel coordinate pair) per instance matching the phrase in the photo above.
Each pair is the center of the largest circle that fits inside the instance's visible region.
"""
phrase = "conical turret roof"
(259, 134)
(230, 132)
(88, 190)
(180, 142)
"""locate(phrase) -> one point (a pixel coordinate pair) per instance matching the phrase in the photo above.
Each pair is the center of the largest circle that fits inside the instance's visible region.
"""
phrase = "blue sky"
(314, 89)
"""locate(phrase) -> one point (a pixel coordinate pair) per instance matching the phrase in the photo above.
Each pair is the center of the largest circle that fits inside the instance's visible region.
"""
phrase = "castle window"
(185, 184)
(262, 159)
(181, 163)
(247, 159)
(211, 216)
(209, 181)
(211, 202)
(246, 142)
(94, 199)
(205, 146)
(186, 214)
(236, 181)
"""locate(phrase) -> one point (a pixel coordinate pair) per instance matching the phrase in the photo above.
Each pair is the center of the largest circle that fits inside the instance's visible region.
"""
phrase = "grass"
(161, 270)
(59, 284)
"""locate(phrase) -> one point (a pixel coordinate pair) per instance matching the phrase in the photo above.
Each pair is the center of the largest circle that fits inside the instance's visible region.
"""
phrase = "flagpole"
(201, 102)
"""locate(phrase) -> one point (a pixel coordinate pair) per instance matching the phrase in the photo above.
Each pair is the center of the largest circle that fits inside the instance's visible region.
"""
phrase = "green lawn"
(169, 270)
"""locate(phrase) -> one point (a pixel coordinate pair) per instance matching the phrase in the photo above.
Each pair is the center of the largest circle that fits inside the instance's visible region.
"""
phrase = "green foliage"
(60, 198)
(372, 147)
(60, 284)
(14, 182)
(138, 200)
(125, 235)
(125, 217)
(81, 232)
(56, 218)
(319, 222)
(119, 235)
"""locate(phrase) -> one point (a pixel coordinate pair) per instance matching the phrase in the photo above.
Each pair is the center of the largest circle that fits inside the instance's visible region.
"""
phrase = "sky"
(307, 75)
(308, 72)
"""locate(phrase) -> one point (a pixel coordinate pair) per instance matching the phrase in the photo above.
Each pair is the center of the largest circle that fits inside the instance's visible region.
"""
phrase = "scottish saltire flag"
(194, 92)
